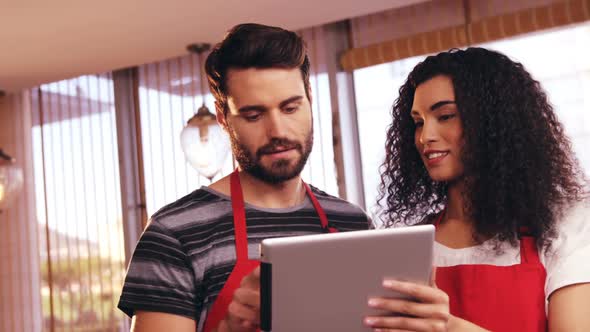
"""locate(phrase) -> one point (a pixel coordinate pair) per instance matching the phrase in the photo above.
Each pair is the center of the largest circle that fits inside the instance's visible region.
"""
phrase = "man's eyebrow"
(290, 100)
(262, 108)
(441, 104)
(251, 108)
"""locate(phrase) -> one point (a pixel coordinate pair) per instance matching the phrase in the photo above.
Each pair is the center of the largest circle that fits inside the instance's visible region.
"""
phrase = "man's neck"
(272, 195)
(263, 194)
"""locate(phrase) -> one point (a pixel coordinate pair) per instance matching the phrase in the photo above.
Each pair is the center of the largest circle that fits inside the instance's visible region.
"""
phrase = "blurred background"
(94, 98)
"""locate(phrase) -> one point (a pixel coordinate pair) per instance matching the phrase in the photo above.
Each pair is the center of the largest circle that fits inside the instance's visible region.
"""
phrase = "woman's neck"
(456, 227)
(455, 209)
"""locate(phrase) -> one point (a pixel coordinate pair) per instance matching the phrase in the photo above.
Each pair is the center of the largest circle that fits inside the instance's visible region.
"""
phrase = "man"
(186, 272)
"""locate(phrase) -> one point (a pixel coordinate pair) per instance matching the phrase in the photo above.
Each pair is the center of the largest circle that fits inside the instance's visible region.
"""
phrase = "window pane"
(78, 199)
(376, 88)
(169, 95)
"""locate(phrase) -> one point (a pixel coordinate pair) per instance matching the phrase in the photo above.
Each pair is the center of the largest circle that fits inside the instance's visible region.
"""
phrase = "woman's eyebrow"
(441, 104)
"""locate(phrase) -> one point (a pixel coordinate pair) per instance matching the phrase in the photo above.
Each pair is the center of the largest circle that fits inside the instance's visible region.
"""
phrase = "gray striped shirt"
(187, 252)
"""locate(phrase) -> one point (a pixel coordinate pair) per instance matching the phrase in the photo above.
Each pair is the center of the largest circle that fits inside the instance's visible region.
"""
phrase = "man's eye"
(291, 109)
(252, 117)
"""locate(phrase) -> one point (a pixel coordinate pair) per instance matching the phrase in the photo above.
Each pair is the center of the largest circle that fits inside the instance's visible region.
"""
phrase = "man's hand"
(244, 311)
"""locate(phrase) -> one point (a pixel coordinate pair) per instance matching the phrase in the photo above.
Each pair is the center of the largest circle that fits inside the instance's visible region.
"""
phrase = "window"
(376, 88)
(169, 95)
(78, 204)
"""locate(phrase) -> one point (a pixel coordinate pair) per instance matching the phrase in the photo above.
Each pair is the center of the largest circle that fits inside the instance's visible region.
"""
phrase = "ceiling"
(45, 41)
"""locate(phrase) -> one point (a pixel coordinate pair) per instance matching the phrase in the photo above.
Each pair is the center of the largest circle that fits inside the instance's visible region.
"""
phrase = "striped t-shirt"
(187, 252)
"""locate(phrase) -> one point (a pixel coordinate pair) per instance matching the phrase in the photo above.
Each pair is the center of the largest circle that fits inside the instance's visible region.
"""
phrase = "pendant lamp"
(204, 143)
(11, 180)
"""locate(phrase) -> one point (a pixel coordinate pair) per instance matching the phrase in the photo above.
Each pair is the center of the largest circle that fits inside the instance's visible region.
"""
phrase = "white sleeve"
(567, 262)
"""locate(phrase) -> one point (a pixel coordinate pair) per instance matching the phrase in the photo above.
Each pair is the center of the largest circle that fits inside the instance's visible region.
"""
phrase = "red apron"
(245, 266)
(499, 298)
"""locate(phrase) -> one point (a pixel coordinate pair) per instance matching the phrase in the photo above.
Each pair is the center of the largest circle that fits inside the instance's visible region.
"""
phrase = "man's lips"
(279, 153)
(277, 149)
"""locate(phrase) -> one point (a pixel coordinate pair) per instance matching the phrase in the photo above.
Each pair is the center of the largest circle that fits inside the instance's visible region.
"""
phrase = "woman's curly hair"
(519, 165)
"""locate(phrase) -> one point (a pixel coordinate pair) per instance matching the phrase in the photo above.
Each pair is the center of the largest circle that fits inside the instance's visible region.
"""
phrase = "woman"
(476, 149)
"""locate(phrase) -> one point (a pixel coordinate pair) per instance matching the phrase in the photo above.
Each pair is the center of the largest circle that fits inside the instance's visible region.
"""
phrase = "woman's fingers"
(410, 308)
(433, 277)
(406, 324)
(422, 293)
(428, 309)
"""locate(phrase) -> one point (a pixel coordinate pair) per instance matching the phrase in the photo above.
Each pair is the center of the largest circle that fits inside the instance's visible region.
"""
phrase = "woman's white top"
(567, 261)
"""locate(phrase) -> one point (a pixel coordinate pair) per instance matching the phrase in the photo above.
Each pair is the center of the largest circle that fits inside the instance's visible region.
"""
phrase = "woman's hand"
(429, 311)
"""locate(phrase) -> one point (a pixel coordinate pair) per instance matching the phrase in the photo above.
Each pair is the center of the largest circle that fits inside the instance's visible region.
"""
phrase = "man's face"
(269, 122)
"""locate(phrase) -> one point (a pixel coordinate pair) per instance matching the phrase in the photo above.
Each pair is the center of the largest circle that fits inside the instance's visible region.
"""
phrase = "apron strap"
(528, 247)
(319, 210)
(237, 202)
(244, 266)
(241, 236)
(439, 217)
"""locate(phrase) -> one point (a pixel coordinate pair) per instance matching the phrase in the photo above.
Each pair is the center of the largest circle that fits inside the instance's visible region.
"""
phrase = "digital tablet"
(322, 282)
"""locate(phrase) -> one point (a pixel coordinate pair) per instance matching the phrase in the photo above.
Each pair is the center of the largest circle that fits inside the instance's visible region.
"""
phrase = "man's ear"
(220, 115)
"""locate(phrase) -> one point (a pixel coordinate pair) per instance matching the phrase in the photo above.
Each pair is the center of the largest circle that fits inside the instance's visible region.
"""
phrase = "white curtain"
(20, 293)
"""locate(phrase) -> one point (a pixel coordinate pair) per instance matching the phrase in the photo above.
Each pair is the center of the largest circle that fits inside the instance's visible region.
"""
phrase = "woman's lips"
(435, 157)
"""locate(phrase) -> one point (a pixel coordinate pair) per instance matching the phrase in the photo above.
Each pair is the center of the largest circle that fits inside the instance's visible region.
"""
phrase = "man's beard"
(280, 170)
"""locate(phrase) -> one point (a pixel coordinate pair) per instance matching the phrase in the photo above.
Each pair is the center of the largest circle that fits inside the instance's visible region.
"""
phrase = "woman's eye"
(446, 117)
(418, 124)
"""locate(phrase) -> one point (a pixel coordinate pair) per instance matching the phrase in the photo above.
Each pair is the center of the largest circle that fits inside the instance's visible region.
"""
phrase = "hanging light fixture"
(11, 180)
(204, 143)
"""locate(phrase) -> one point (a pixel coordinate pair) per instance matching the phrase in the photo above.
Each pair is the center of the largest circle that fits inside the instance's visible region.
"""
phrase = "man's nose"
(275, 124)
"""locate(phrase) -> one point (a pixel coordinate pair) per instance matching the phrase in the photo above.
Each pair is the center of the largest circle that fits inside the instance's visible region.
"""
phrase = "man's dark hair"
(254, 46)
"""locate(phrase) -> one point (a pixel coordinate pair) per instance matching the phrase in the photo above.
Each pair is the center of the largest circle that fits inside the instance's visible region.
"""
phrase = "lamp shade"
(204, 143)
(11, 181)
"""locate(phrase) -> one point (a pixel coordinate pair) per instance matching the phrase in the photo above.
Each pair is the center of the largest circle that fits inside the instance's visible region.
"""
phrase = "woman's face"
(439, 130)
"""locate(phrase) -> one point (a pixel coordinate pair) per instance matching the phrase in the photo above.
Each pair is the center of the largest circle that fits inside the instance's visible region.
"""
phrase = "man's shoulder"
(333, 204)
(201, 206)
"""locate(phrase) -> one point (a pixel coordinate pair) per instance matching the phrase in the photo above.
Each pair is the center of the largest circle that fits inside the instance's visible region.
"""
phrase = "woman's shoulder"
(566, 258)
